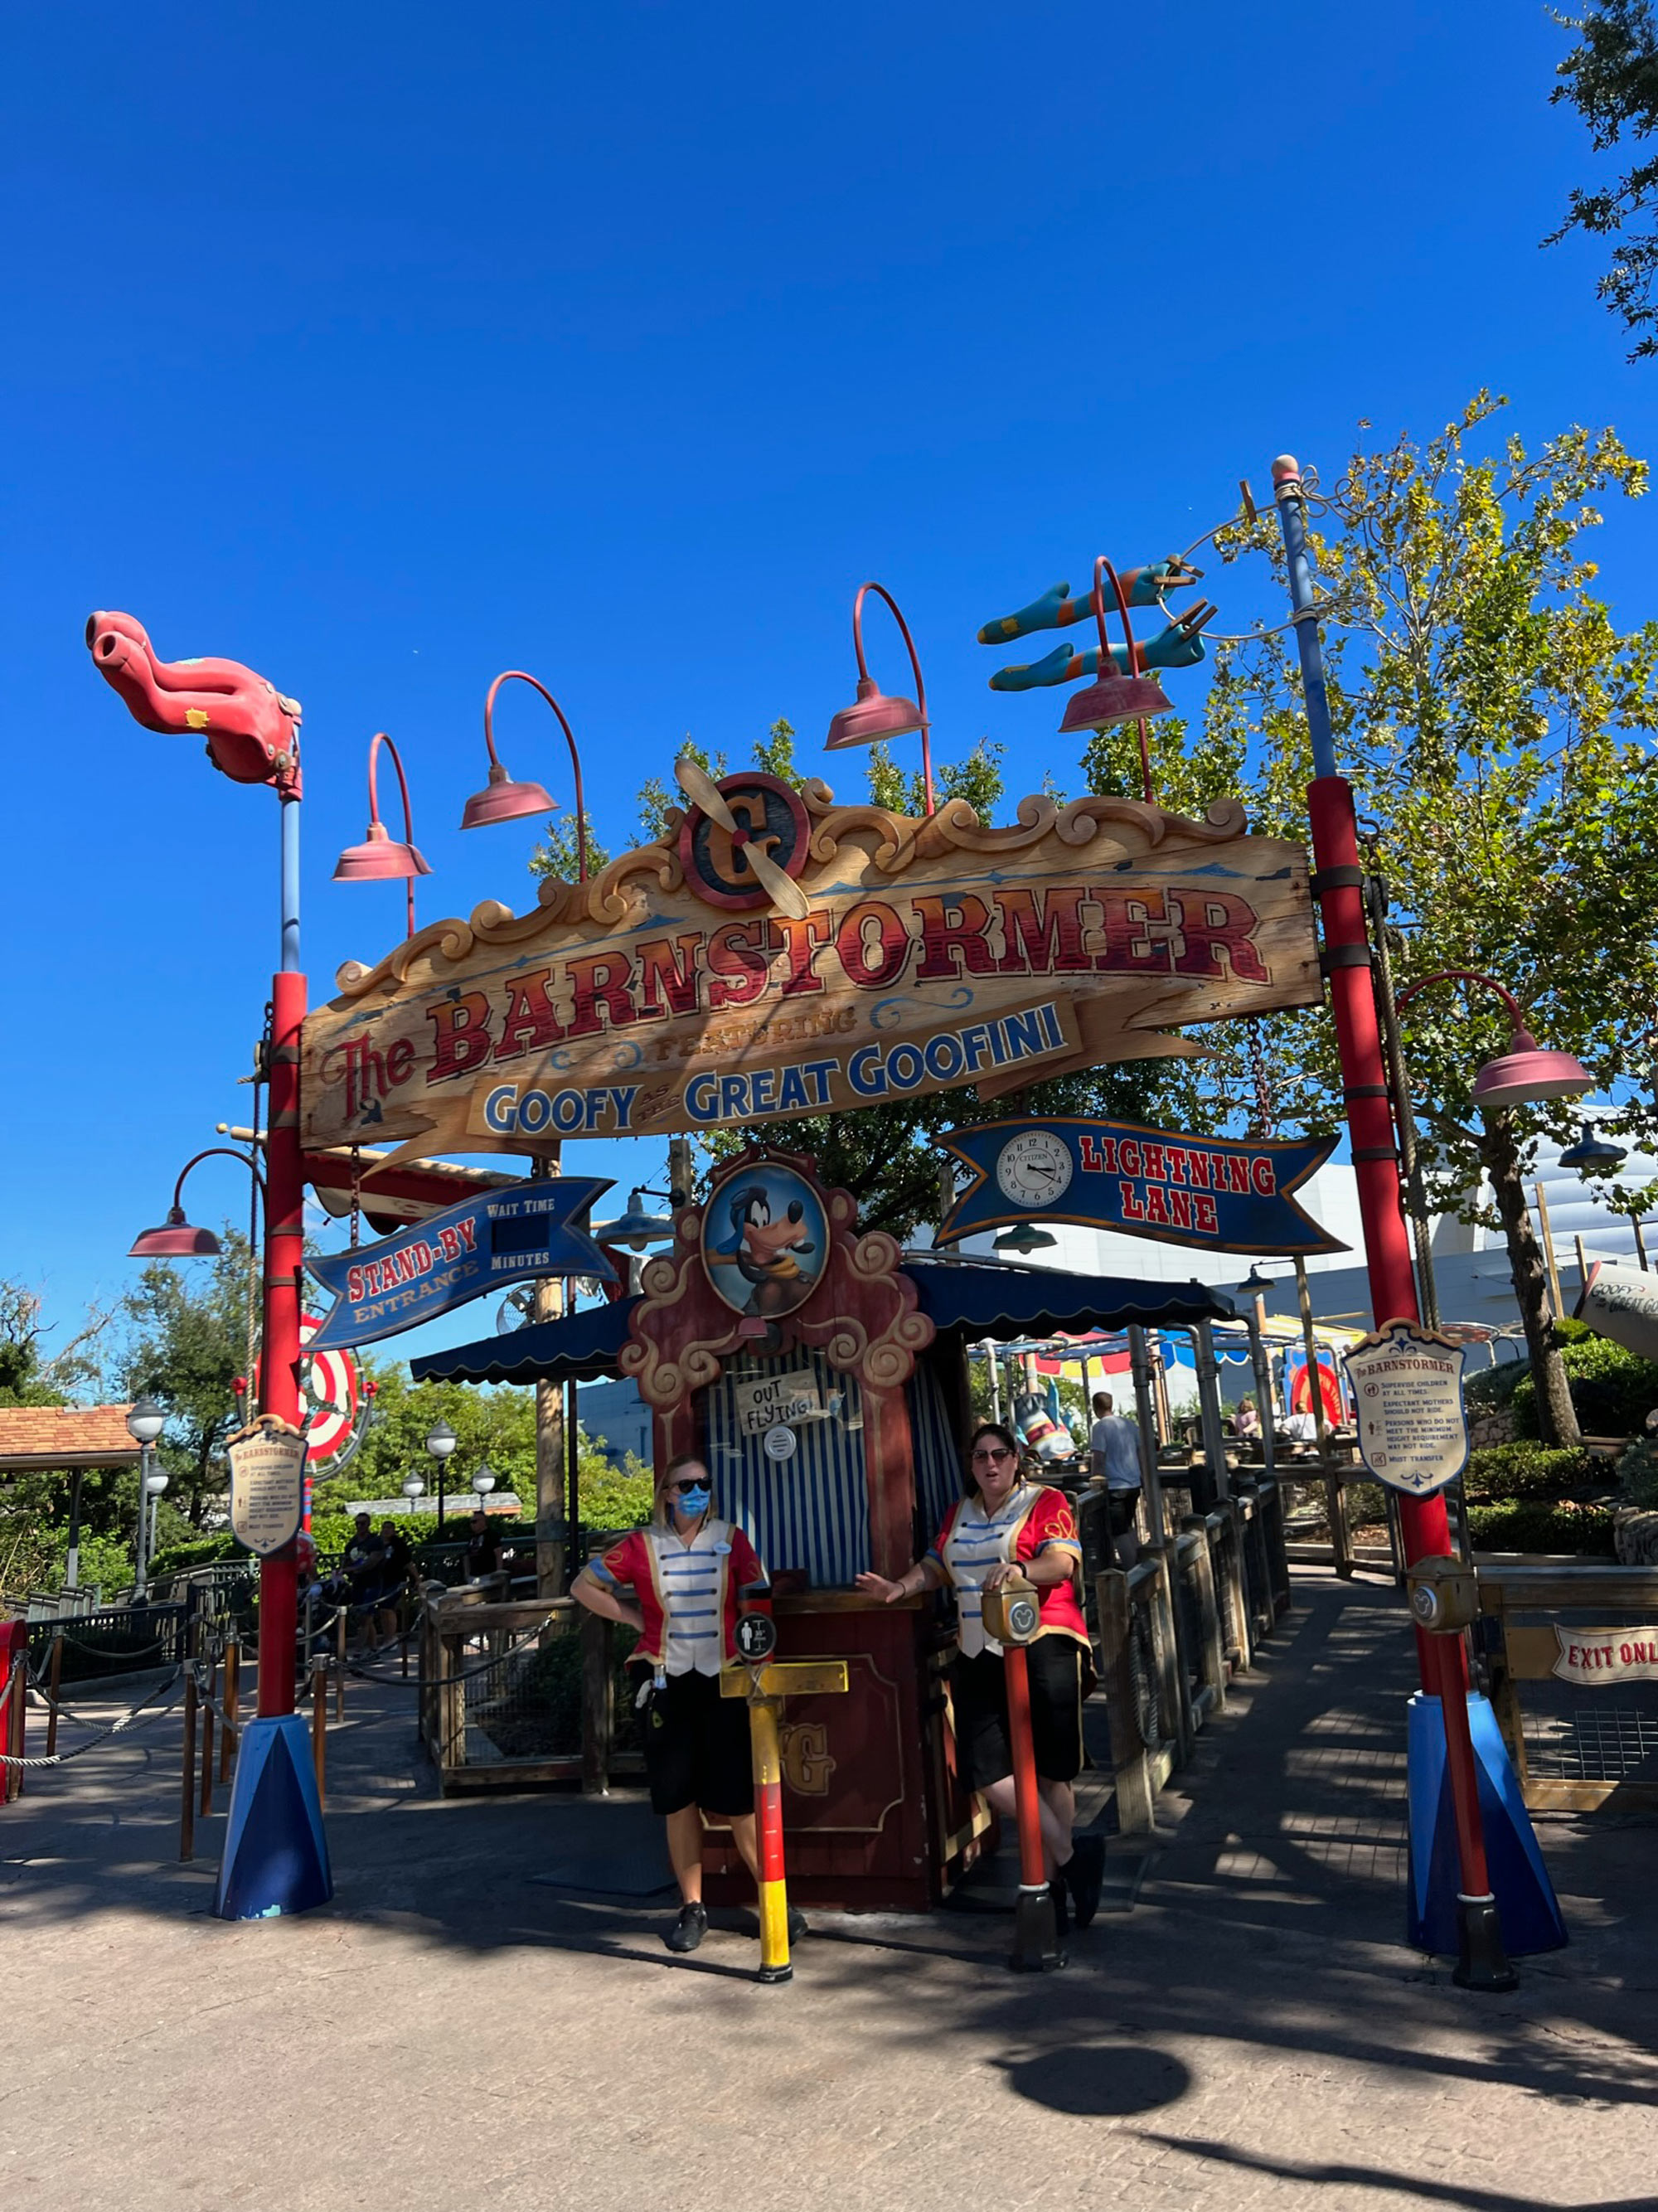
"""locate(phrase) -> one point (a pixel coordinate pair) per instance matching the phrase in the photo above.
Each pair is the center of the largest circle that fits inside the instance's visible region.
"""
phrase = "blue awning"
(977, 1300)
(1002, 1302)
(582, 1347)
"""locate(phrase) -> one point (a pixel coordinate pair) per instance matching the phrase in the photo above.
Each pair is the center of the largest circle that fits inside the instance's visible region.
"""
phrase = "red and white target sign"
(328, 1396)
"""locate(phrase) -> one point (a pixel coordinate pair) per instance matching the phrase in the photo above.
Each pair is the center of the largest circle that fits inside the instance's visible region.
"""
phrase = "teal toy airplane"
(1179, 646)
(1057, 610)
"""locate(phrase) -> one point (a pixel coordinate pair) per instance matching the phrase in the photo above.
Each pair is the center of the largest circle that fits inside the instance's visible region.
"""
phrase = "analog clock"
(1035, 1168)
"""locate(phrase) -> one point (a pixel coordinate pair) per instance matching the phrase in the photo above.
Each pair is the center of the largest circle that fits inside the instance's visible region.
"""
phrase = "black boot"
(1056, 1893)
(1084, 1876)
(689, 1929)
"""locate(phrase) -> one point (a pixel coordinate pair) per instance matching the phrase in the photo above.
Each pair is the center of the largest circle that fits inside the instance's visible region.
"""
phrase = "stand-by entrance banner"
(1226, 1194)
(671, 993)
(498, 1237)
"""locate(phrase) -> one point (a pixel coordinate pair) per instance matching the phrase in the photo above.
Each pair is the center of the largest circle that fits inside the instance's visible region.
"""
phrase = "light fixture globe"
(873, 719)
(440, 1440)
(176, 1239)
(155, 1483)
(1023, 1237)
(1593, 1155)
(145, 1420)
(502, 800)
(379, 857)
(413, 1487)
(1526, 1074)
(484, 1480)
(636, 1229)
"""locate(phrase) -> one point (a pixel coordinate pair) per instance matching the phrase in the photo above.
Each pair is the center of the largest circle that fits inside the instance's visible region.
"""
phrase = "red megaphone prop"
(252, 731)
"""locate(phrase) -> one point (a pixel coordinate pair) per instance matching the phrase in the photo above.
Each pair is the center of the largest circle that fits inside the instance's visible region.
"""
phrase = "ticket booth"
(822, 1373)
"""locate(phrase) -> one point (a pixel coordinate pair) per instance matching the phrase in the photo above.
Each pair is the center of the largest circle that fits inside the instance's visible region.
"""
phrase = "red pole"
(1035, 1939)
(1338, 885)
(279, 1368)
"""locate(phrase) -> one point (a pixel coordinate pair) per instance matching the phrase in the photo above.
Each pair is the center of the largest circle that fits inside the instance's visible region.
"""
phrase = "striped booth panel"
(811, 1510)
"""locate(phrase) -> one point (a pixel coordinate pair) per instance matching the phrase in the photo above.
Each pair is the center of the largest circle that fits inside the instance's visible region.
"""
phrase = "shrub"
(1525, 1470)
(1533, 1527)
(1637, 1470)
(1489, 1389)
(1612, 1389)
(198, 1551)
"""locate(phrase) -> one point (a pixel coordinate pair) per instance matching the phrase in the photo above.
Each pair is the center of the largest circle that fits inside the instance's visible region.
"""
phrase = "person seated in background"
(362, 1564)
(398, 1564)
(482, 1548)
(1299, 1428)
(1246, 1422)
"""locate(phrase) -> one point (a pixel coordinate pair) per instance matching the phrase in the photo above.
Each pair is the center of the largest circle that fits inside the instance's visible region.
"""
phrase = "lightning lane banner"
(1225, 1193)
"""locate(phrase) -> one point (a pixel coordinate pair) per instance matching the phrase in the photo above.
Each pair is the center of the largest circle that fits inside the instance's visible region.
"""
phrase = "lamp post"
(502, 798)
(276, 1860)
(155, 1483)
(381, 857)
(440, 1442)
(145, 1421)
(1339, 885)
(874, 717)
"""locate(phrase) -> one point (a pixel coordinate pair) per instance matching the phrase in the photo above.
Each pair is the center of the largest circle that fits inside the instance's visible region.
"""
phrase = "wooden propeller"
(702, 791)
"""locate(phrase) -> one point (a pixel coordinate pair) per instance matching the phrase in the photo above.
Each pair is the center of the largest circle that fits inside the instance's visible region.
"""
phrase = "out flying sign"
(500, 1236)
(1225, 1193)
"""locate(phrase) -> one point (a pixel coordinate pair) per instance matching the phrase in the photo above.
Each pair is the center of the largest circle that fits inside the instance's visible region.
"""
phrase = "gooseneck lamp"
(177, 1238)
(874, 716)
(381, 857)
(505, 799)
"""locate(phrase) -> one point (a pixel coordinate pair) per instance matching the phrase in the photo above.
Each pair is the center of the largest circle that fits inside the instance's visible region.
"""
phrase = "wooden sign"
(1605, 1658)
(1406, 1382)
(267, 1484)
(668, 993)
(765, 1402)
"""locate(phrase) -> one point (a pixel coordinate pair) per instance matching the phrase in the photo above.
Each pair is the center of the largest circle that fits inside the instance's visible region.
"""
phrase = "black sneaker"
(1084, 1876)
(798, 1925)
(689, 1929)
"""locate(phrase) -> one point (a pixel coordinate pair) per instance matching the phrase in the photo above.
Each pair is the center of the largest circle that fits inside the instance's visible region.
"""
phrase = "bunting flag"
(500, 1236)
(1223, 1194)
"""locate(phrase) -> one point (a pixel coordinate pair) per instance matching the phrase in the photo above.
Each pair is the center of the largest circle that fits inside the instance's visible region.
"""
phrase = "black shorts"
(696, 1747)
(1122, 1507)
(1061, 1674)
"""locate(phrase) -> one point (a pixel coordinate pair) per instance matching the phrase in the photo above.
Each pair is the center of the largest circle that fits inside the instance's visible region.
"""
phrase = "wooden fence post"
(320, 1727)
(1211, 1656)
(1174, 1687)
(207, 1736)
(232, 1704)
(1136, 1798)
(54, 1681)
(597, 1716)
(16, 1697)
(187, 1803)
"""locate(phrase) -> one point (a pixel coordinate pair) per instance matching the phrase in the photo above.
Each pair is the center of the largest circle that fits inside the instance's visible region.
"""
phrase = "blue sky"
(387, 347)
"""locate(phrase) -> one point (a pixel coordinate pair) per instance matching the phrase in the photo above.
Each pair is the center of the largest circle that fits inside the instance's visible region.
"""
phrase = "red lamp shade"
(1115, 699)
(1526, 1073)
(174, 1240)
(873, 719)
(379, 855)
(502, 800)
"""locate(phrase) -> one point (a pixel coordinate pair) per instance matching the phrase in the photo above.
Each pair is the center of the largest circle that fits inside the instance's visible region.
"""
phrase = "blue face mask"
(693, 1502)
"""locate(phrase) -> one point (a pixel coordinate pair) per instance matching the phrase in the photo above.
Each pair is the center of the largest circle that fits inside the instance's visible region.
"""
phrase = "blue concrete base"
(275, 1854)
(1526, 1905)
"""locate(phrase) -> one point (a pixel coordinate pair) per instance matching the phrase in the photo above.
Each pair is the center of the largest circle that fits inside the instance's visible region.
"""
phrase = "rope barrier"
(136, 1718)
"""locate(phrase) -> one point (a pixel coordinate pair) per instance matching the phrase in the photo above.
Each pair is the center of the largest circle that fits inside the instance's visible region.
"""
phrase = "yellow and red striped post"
(774, 1964)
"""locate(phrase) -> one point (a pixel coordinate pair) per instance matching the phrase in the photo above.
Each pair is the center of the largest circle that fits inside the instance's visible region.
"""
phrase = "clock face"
(1033, 1168)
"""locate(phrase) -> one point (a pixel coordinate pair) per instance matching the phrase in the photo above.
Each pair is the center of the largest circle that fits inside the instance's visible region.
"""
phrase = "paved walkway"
(456, 2029)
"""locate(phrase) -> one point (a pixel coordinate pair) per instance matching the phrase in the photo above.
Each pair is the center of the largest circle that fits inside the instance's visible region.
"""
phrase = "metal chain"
(136, 1718)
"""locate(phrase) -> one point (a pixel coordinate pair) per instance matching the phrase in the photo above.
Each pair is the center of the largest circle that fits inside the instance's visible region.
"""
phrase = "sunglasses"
(990, 1452)
(695, 1482)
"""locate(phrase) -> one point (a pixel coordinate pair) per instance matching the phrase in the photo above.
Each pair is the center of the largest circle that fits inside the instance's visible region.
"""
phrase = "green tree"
(657, 801)
(556, 856)
(978, 779)
(1610, 77)
(1496, 727)
(189, 1343)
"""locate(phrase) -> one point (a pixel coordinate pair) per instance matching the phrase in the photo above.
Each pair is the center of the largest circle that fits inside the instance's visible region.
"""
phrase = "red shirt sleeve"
(746, 1561)
(624, 1562)
(1049, 1521)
